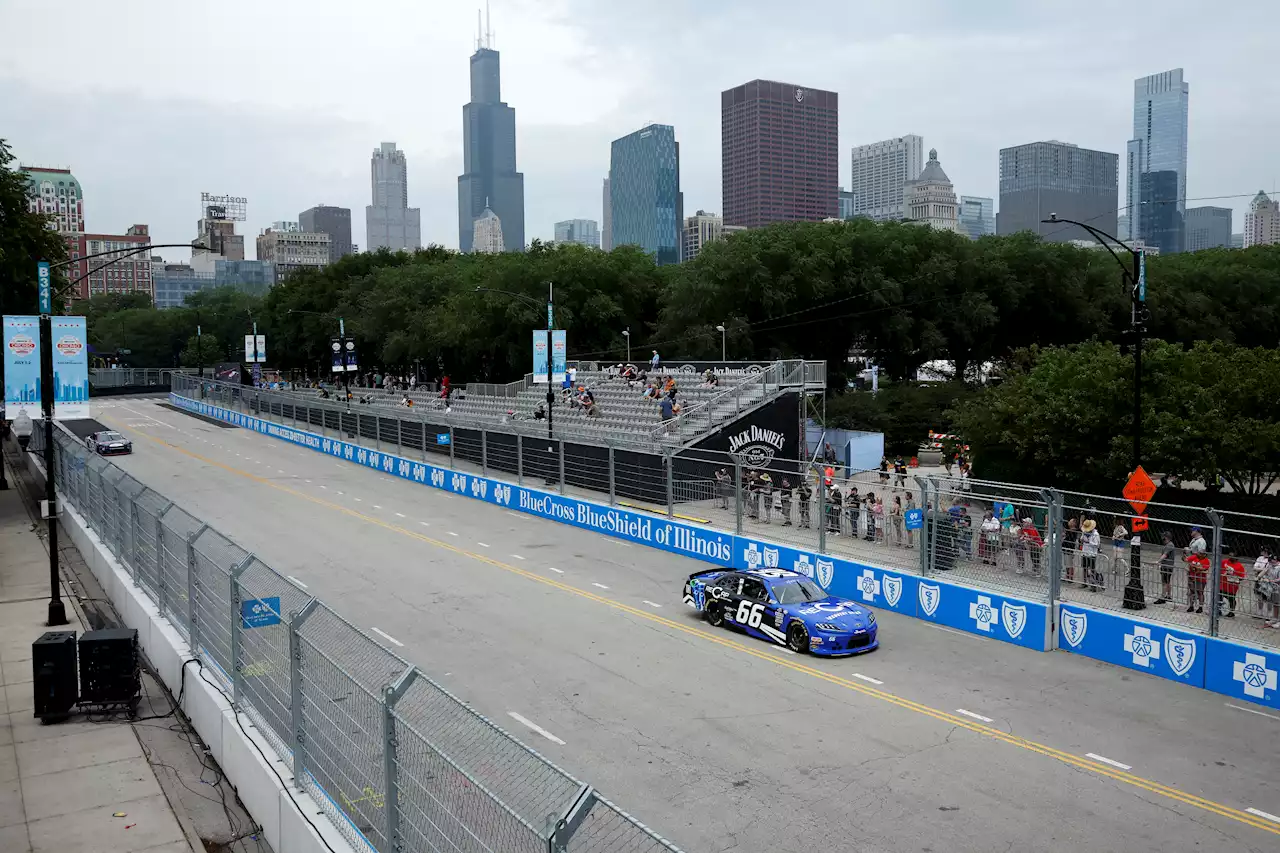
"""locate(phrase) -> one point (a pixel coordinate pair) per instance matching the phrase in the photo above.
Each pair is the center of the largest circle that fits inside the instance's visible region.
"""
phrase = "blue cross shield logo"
(1074, 627)
(1014, 618)
(1179, 653)
(892, 589)
(930, 595)
(826, 571)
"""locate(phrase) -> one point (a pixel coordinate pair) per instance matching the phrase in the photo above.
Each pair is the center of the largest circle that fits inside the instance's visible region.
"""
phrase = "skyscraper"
(1208, 228)
(489, 177)
(703, 228)
(606, 221)
(881, 173)
(977, 216)
(584, 232)
(778, 153)
(390, 222)
(647, 207)
(931, 198)
(57, 194)
(334, 221)
(486, 233)
(1041, 178)
(1159, 144)
(1262, 222)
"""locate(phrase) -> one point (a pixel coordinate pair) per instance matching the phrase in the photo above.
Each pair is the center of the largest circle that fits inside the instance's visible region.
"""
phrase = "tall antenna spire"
(479, 31)
(488, 30)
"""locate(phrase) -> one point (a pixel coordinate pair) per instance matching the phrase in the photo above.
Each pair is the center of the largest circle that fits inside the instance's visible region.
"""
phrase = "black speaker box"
(53, 671)
(109, 667)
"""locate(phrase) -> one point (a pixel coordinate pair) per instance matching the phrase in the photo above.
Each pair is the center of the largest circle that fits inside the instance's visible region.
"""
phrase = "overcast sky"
(150, 102)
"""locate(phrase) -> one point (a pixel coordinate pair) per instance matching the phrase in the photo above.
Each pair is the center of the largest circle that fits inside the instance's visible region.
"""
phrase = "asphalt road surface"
(938, 741)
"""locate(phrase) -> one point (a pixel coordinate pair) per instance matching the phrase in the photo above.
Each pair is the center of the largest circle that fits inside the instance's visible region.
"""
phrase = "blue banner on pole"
(443, 438)
(44, 277)
(1142, 276)
(540, 355)
(336, 347)
(559, 355)
(913, 519)
(22, 366)
(70, 368)
(260, 612)
(352, 363)
(551, 321)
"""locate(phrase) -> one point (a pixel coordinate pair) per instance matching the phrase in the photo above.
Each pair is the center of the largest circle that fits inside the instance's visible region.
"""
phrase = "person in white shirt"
(1090, 542)
(989, 544)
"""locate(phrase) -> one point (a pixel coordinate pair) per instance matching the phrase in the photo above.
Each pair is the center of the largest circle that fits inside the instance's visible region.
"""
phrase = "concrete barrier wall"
(280, 809)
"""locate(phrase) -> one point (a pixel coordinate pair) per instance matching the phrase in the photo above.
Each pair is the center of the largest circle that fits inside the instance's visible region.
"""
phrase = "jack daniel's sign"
(756, 446)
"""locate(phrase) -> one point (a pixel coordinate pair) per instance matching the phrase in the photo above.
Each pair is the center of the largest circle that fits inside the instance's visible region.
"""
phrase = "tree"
(25, 239)
(200, 351)
(903, 411)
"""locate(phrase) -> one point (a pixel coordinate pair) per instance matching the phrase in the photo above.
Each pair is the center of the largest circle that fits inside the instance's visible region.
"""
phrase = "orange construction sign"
(1140, 524)
(1140, 489)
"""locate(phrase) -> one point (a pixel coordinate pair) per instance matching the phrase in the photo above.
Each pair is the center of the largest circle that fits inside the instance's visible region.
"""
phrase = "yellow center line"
(942, 716)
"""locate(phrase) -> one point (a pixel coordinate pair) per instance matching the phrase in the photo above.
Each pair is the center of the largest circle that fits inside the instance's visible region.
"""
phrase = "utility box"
(110, 674)
(53, 673)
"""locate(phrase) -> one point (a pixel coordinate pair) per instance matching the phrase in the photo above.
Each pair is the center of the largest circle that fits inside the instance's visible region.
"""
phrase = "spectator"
(909, 505)
(900, 473)
(668, 411)
(653, 362)
(884, 471)
(1269, 590)
(829, 454)
(723, 487)
(806, 496)
(1197, 575)
(1034, 543)
(752, 490)
(1070, 545)
(669, 385)
(766, 494)
(540, 413)
(593, 408)
(877, 520)
(856, 511)
(835, 503)
(895, 511)
(786, 502)
(1090, 543)
(1229, 583)
(989, 544)
(1167, 551)
(1260, 596)
(1119, 549)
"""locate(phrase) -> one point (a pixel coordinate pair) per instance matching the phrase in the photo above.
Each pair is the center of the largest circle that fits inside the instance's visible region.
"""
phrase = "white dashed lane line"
(602, 586)
(975, 716)
(384, 635)
(425, 523)
(1106, 760)
(652, 603)
(1260, 813)
(451, 533)
(867, 678)
(375, 506)
(557, 571)
(1252, 711)
(517, 556)
(298, 582)
(399, 515)
(525, 721)
(483, 544)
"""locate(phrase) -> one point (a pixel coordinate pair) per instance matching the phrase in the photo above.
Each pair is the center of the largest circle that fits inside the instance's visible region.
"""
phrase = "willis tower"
(489, 177)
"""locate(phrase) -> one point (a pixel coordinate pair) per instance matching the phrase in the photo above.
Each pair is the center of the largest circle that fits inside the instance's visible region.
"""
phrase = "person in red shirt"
(1197, 576)
(1229, 585)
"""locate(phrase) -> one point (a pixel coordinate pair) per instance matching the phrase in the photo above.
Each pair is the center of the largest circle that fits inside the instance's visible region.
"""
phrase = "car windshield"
(110, 436)
(797, 591)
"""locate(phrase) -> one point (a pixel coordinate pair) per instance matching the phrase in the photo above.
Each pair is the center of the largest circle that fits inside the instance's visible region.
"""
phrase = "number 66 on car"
(782, 607)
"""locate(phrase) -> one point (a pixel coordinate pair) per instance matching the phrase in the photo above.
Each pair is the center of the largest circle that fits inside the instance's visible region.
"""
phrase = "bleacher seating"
(625, 415)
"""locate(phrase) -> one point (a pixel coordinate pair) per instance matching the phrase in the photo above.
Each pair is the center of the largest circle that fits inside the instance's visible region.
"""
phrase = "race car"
(783, 607)
(108, 443)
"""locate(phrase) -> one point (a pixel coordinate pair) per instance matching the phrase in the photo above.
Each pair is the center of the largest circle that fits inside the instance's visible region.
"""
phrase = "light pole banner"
(70, 368)
(559, 352)
(540, 356)
(352, 361)
(249, 348)
(336, 346)
(22, 366)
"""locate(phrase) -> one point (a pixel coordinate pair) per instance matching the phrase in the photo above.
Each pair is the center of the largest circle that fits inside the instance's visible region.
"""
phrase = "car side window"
(754, 589)
(727, 584)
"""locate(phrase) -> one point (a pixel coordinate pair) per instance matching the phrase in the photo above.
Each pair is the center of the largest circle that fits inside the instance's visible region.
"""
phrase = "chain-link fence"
(1012, 539)
(395, 761)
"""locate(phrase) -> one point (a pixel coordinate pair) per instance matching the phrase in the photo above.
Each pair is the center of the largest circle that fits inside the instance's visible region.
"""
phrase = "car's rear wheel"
(715, 615)
(798, 639)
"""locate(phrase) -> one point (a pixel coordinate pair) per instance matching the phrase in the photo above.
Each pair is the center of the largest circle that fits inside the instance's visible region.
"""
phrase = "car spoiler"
(706, 572)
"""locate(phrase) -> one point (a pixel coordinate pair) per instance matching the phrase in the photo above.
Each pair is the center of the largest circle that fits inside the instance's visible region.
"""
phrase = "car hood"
(833, 611)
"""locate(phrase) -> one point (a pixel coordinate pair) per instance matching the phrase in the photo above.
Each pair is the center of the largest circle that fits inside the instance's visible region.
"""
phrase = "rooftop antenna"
(484, 35)
(488, 30)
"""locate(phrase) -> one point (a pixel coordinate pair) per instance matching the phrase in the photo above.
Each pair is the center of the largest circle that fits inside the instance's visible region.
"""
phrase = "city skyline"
(285, 156)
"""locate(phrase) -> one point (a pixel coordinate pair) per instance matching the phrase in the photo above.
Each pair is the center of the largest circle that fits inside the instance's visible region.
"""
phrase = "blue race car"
(783, 607)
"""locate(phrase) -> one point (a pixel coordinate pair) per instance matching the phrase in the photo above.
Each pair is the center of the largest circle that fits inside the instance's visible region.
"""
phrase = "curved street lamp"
(551, 396)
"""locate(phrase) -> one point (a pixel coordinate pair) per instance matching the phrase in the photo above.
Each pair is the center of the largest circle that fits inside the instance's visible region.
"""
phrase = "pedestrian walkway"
(75, 786)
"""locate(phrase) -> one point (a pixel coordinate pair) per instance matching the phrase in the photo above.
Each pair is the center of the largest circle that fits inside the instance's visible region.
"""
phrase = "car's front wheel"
(715, 614)
(798, 639)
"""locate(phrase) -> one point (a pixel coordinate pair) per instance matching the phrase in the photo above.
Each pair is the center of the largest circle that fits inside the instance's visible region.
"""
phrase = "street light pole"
(551, 395)
(626, 333)
(1134, 596)
(723, 348)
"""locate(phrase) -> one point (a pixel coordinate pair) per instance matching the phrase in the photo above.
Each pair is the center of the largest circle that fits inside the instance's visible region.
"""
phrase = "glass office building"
(646, 205)
(977, 216)
(1159, 144)
(175, 282)
(1043, 178)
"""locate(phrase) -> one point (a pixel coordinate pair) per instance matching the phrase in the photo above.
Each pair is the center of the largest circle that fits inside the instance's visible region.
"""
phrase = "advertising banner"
(254, 352)
(70, 368)
(352, 362)
(22, 366)
(559, 352)
(540, 356)
(335, 346)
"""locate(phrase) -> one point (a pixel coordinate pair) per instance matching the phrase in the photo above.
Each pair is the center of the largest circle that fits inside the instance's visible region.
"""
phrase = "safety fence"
(396, 761)
(118, 377)
(1011, 539)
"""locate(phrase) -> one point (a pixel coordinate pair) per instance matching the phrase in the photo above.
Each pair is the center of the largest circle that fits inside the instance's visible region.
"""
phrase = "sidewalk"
(61, 785)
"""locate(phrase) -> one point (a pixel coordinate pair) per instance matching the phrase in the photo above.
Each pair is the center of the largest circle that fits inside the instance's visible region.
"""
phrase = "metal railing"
(1041, 560)
(116, 377)
(395, 760)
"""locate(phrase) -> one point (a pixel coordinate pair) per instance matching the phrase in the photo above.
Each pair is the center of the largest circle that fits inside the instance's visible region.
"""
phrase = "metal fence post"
(1212, 595)
(299, 737)
(926, 528)
(560, 461)
(1053, 542)
(520, 459)
(613, 489)
(160, 584)
(671, 481)
(450, 445)
(391, 781)
(484, 453)
(822, 511)
(562, 828)
(193, 621)
(359, 434)
(737, 496)
(400, 436)
(377, 432)
(236, 572)
(133, 535)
